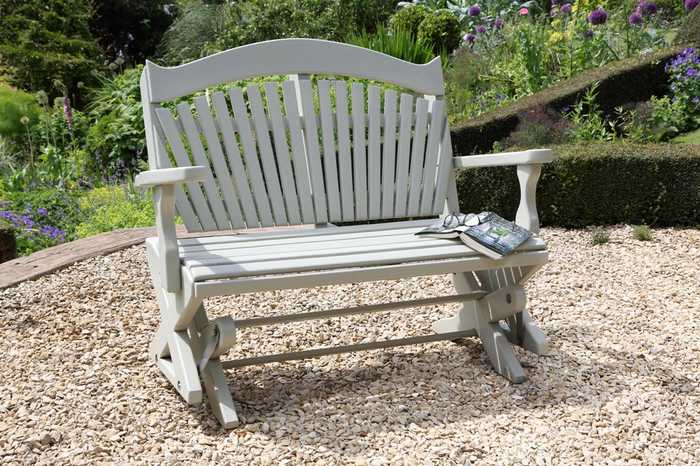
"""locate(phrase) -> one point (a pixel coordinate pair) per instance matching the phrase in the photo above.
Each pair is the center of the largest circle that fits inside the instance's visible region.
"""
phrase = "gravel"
(621, 385)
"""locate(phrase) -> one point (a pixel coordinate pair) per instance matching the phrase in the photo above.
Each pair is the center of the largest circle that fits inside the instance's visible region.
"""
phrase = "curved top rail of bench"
(291, 56)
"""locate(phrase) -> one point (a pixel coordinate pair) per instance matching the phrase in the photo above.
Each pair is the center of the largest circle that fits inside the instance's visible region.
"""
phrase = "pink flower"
(68, 112)
(523, 11)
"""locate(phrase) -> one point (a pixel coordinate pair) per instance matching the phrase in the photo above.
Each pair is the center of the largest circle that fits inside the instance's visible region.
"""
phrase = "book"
(486, 233)
(494, 236)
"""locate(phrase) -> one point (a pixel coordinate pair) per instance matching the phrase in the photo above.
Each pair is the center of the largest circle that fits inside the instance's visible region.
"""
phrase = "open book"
(486, 233)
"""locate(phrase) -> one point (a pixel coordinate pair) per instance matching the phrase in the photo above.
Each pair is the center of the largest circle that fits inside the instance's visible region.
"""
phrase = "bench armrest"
(170, 176)
(528, 157)
(529, 166)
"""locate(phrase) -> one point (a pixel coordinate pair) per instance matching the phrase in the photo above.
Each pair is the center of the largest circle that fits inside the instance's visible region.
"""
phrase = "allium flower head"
(635, 19)
(598, 16)
(566, 8)
(498, 24)
(474, 10)
(469, 38)
(588, 33)
(480, 29)
(691, 4)
(647, 8)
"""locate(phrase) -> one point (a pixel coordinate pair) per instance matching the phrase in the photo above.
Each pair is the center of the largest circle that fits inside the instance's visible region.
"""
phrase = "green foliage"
(599, 236)
(116, 139)
(113, 207)
(409, 19)
(587, 120)
(689, 33)
(598, 184)
(46, 45)
(58, 208)
(441, 31)
(658, 120)
(642, 233)
(19, 111)
(399, 44)
(194, 31)
(130, 28)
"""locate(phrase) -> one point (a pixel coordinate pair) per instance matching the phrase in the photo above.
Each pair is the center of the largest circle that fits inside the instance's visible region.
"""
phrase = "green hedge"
(598, 184)
(623, 82)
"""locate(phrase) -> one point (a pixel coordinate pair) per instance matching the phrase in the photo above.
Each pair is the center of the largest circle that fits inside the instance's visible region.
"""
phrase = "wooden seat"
(298, 156)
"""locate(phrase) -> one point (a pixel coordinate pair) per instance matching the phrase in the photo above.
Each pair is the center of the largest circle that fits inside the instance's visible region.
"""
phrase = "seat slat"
(359, 157)
(431, 157)
(279, 135)
(301, 169)
(251, 156)
(389, 155)
(404, 154)
(223, 117)
(200, 158)
(167, 123)
(374, 156)
(344, 151)
(361, 259)
(417, 158)
(217, 159)
(329, 154)
(313, 152)
(262, 133)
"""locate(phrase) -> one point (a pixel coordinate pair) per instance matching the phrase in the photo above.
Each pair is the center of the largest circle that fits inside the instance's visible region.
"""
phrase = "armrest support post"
(164, 203)
(526, 216)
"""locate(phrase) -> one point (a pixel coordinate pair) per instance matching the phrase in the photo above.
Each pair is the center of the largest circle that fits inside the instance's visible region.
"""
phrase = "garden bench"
(314, 153)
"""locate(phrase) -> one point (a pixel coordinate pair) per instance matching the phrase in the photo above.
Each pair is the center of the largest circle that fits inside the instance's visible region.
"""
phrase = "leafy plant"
(409, 19)
(193, 33)
(642, 233)
(113, 207)
(587, 119)
(399, 43)
(440, 31)
(599, 236)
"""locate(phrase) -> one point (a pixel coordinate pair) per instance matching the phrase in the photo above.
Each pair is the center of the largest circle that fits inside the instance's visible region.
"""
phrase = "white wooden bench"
(315, 153)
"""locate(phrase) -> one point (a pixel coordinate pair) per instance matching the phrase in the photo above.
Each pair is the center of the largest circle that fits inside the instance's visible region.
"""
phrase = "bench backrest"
(301, 152)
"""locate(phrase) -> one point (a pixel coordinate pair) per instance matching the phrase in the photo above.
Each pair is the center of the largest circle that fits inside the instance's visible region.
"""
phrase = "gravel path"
(620, 387)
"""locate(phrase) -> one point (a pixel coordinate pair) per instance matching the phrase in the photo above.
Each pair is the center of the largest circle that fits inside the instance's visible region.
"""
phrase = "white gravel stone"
(620, 387)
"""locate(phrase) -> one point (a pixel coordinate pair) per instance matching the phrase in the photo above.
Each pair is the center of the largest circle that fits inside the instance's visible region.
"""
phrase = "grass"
(599, 236)
(692, 137)
(642, 233)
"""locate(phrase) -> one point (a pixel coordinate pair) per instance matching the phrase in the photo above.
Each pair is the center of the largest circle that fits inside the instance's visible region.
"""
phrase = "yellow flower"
(555, 38)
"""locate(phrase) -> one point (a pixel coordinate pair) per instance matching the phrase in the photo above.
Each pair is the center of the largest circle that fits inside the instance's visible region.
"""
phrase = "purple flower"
(42, 211)
(474, 10)
(498, 24)
(691, 73)
(635, 19)
(27, 220)
(598, 16)
(647, 8)
(566, 8)
(691, 4)
(68, 112)
(469, 38)
(588, 34)
(480, 29)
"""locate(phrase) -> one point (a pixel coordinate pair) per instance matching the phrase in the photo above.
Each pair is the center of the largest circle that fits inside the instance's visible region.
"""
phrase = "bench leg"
(480, 315)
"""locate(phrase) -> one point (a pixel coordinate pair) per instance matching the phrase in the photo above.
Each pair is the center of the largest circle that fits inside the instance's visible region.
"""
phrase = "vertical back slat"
(404, 155)
(167, 123)
(359, 160)
(200, 158)
(182, 203)
(262, 131)
(329, 160)
(223, 117)
(389, 155)
(284, 163)
(251, 156)
(431, 157)
(216, 155)
(301, 169)
(374, 155)
(344, 152)
(444, 168)
(417, 157)
(313, 153)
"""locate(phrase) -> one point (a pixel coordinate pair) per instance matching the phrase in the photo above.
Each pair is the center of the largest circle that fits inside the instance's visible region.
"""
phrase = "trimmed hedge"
(598, 184)
(626, 81)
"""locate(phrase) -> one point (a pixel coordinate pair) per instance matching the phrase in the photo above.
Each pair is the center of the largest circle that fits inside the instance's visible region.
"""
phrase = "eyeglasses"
(455, 220)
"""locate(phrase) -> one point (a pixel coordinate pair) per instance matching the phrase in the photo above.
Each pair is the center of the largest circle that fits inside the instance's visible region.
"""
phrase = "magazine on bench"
(487, 233)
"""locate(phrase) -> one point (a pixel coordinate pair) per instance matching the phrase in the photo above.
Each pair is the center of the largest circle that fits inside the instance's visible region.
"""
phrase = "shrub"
(539, 127)
(113, 207)
(19, 111)
(642, 233)
(689, 33)
(599, 236)
(193, 32)
(409, 19)
(441, 31)
(47, 45)
(598, 184)
(130, 28)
